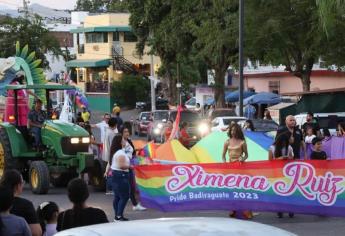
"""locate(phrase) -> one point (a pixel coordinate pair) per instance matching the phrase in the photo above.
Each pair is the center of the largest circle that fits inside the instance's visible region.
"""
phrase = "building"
(106, 49)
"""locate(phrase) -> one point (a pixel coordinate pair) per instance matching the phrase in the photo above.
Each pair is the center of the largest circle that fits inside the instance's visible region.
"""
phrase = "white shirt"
(50, 230)
(284, 152)
(108, 139)
(115, 161)
(102, 128)
(309, 139)
(128, 150)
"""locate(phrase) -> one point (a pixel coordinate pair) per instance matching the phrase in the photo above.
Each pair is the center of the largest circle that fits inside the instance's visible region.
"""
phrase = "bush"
(130, 89)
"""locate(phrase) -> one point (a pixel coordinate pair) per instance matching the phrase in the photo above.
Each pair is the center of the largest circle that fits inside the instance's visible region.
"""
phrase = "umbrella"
(235, 95)
(174, 151)
(262, 98)
(210, 148)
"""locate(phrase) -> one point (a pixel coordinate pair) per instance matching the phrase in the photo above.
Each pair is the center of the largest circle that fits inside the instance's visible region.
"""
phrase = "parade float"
(65, 145)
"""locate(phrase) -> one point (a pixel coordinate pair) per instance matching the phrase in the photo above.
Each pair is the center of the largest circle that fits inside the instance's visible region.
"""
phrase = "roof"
(41, 86)
(315, 73)
(111, 28)
(280, 106)
(336, 90)
(89, 63)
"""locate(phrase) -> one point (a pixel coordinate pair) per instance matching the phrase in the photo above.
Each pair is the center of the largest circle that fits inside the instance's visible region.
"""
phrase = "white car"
(205, 226)
(325, 120)
(221, 123)
(191, 103)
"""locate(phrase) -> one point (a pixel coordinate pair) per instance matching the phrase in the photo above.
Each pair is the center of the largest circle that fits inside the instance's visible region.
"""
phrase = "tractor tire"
(62, 179)
(6, 159)
(39, 177)
(96, 175)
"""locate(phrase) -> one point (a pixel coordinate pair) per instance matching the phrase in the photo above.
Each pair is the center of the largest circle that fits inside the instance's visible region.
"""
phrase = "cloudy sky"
(57, 4)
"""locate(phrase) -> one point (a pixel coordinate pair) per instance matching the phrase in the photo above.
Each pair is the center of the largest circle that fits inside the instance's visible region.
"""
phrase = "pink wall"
(293, 84)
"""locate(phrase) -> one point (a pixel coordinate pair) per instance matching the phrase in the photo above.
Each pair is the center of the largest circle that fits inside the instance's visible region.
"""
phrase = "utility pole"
(178, 84)
(240, 53)
(152, 82)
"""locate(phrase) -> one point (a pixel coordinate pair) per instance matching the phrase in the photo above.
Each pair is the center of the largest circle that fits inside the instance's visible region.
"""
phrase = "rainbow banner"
(306, 187)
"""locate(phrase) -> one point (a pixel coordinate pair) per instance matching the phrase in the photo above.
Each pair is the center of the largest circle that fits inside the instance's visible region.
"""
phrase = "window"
(274, 86)
(129, 37)
(116, 36)
(97, 37)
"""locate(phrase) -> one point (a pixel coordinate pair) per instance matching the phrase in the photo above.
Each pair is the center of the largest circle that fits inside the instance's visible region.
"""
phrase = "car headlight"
(159, 126)
(85, 140)
(203, 128)
(156, 131)
(74, 140)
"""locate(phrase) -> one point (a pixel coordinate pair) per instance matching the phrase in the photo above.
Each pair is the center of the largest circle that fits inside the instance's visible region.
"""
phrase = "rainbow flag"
(306, 187)
(149, 150)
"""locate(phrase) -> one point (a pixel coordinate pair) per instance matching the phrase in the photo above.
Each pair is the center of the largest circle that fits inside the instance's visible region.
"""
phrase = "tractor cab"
(65, 153)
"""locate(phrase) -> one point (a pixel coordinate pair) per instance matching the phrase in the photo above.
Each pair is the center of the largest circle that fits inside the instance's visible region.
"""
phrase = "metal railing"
(97, 87)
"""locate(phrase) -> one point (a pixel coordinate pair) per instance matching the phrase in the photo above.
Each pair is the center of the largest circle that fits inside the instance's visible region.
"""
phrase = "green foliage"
(28, 32)
(131, 89)
(285, 32)
(101, 5)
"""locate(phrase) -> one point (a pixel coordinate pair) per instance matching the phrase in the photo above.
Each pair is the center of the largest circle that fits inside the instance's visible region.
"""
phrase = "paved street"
(301, 224)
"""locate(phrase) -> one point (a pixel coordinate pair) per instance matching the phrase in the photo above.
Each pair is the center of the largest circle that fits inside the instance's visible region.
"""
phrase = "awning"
(88, 63)
(111, 28)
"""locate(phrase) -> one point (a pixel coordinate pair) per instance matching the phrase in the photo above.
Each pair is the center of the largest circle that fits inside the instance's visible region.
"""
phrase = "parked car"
(220, 112)
(191, 103)
(140, 105)
(141, 124)
(158, 120)
(325, 120)
(205, 226)
(161, 104)
(262, 125)
(221, 123)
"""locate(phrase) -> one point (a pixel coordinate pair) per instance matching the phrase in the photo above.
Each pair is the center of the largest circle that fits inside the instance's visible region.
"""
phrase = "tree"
(214, 25)
(102, 5)
(130, 89)
(285, 32)
(31, 32)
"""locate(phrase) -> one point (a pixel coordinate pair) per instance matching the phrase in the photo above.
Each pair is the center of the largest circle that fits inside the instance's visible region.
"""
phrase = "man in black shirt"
(317, 153)
(311, 122)
(296, 137)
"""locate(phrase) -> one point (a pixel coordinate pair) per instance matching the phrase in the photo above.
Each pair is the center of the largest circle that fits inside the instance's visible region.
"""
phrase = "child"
(317, 153)
(10, 224)
(47, 213)
(309, 135)
(281, 150)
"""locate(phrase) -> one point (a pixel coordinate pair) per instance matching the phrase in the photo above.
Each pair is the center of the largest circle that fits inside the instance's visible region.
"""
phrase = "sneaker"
(139, 207)
(109, 193)
(121, 218)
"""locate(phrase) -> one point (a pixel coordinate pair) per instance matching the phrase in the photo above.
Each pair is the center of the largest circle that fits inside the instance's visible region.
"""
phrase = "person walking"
(130, 152)
(10, 224)
(47, 213)
(119, 164)
(110, 133)
(102, 126)
(80, 214)
(296, 137)
(21, 206)
(236, 147)
(168, 130)
(281, 150)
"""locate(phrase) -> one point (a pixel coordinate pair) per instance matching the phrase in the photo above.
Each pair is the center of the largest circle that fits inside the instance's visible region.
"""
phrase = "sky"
(56, 4)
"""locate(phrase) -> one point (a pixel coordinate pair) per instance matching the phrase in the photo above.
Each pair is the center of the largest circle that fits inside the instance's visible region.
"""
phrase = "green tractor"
(65, 153)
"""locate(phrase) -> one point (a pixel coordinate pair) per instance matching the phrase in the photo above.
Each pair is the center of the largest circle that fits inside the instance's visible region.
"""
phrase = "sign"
(307, 187)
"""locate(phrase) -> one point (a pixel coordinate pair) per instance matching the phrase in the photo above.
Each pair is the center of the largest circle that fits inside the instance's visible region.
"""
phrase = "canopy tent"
(210, 148)
(262, 98)
(235, 95)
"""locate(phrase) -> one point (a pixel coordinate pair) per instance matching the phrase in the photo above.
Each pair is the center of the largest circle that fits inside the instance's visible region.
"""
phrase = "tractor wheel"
(62, 179)
(96, 177)
(39, 177)
(6, 159)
